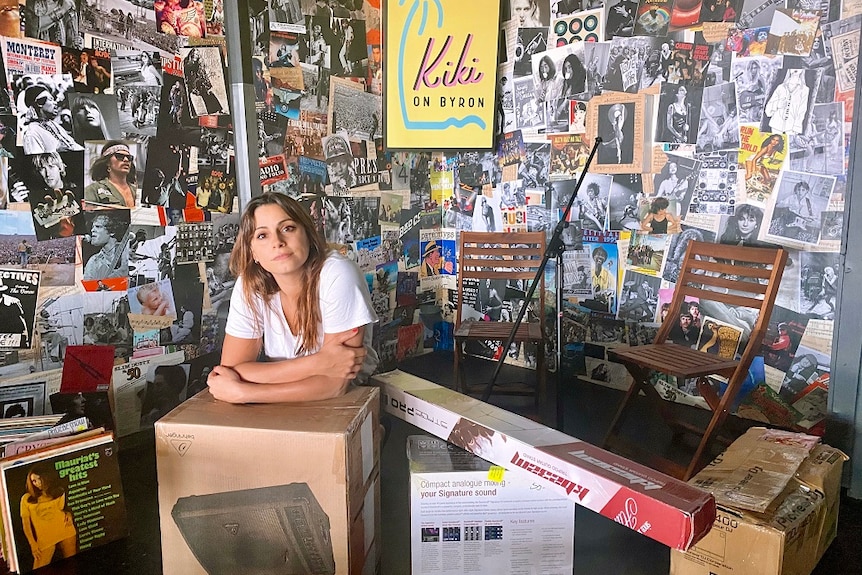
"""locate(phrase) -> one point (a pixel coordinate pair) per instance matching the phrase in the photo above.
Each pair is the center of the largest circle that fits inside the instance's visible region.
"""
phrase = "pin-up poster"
(440, 85)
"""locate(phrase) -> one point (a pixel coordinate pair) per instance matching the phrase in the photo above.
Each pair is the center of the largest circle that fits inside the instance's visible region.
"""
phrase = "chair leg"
(633, 390)
(457, 366)
(712, 429)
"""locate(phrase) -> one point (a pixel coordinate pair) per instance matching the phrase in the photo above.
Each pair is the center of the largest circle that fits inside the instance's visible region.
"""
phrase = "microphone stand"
(555, 249)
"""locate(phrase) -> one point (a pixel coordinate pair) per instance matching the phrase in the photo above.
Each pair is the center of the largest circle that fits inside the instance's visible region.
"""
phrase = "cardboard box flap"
(816, 470)
(649, 502)
(756, 468)
(341, 413)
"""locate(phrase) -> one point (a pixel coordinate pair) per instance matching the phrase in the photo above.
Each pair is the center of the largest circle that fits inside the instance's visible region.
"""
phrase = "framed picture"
(440, 77)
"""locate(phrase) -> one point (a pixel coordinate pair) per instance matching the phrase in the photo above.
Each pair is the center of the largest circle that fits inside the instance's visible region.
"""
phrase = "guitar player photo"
(799, 201)
(676, 180)
(105, 248)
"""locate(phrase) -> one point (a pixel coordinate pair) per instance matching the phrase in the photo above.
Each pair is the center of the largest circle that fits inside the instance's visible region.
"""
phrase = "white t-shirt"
(345, 303)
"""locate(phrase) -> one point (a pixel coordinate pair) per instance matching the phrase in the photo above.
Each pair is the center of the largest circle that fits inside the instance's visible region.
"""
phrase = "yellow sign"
(441, 73)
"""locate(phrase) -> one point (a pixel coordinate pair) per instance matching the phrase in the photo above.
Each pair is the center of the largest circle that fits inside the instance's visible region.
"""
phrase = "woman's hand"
(226, 385)
(37, 553)
(339, 359)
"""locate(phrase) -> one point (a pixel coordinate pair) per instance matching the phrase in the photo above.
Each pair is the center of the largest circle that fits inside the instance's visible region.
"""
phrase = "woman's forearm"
(278, 372)
(312, 388)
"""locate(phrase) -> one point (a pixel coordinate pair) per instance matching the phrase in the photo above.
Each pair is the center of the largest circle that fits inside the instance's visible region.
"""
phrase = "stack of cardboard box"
(777, 496)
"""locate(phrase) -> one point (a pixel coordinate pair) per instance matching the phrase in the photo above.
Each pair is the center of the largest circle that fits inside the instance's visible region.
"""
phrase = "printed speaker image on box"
(264, 531)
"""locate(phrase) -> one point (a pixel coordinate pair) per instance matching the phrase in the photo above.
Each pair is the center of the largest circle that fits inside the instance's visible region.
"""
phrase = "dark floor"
(601, 546)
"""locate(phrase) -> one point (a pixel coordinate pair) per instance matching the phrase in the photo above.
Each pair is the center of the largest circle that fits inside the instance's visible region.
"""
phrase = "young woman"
(87, 120)
(659, 220)
(48, 524)
(305, 307)
(743, 226)
(677, 120)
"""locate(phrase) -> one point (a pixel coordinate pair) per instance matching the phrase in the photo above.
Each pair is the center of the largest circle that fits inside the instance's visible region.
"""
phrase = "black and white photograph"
(94, 117)
(619, 18)
(136, 67)
(753, 77)
(676, 249)
(533, 169)
(530, 13)
(22, 400)
(789, 104)
(106, 320)
(677, 180)
(150, 253)
(718, 71)
(625, 63)
(487, 216)
(529, 111)
(638, 296)
(105, 247)
(205, 82)
(339, 163)
(530, 41)
(271, 130)
(820, 149)
(122, 22)
(138, 108)
(794, 213)
(616, 128)
(52, 21)
(678, 115)
(349, 56)
(596, 56)
(719, 121)
(591, 205)
(55, 188)
(354, 111)
(18, 292)
(818, 284)
(282, 12)
(44, 122)
(560, 76)
(174, 121)
(626, 189)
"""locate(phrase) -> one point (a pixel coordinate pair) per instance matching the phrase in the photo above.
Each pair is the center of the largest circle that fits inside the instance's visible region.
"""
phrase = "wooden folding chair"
(509, 256)
(735, 278)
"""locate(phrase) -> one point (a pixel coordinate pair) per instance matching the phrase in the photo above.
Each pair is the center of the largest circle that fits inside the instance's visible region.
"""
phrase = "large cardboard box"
(789, 537)
(654, 504)
(467, 517)
(266, 489)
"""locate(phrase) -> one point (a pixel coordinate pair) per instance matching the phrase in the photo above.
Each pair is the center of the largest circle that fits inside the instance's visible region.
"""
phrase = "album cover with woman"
(616, 118)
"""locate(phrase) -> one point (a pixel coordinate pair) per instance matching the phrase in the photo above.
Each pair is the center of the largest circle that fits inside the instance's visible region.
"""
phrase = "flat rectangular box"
(270, 489)
(465, 519)
(789, 538)
(656, 505)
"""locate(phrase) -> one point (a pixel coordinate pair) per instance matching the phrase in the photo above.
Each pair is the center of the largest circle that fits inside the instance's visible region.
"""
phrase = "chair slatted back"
(738, 276)
(500, 255)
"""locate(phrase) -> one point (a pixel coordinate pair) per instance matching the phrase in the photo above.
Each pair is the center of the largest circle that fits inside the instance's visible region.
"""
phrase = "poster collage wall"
(721, 121)
(117, 201)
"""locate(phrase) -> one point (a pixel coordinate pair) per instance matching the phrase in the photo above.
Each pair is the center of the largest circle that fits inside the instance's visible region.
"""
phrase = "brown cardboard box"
(264, 489)
(653, 504)
(788, 538)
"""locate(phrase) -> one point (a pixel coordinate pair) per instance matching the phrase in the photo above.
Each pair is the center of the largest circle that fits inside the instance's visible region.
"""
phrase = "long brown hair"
(257, 281)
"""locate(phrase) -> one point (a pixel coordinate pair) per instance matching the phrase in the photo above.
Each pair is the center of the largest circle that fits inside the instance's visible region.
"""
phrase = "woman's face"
(36, 481)
(680, 93)
(747, 224)
(278, 243)
(521, 9)
(88, 115)
(544, 69)
(567, 70)
(672, 168)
